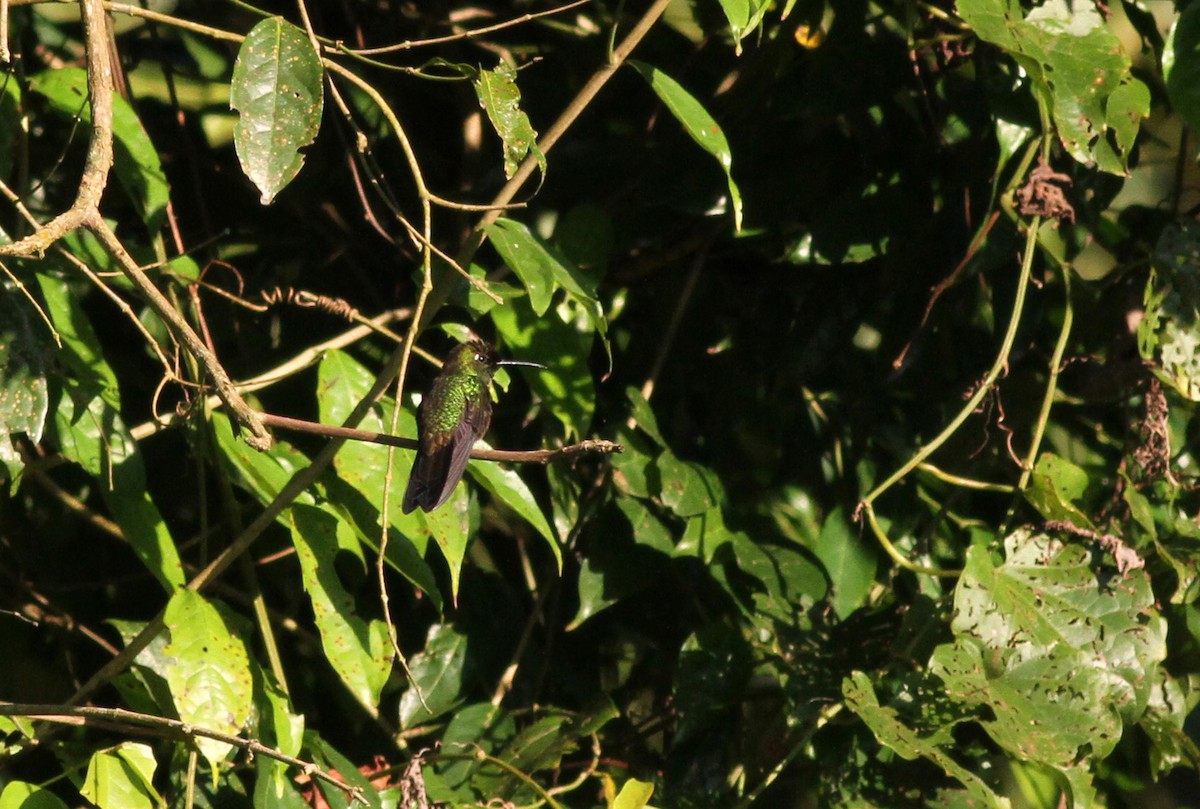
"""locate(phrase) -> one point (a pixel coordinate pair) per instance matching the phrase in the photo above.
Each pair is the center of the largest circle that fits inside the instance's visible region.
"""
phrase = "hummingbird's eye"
(480, 358)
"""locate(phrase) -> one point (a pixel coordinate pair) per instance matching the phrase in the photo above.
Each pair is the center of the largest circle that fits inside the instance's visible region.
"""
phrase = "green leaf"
(359, 650)
(539, 267)
(648, 529)
(438, 671)
(696, 121)
(135, 158)
(1181, 65)
(95, 437)
(1169, 332)
(848, 562)
(501, 99)
(908, 743)
(1079, 71)
(1055, 486)
(508, 487)
(687, 488)
(121, 778)
(21, 795)
(24, 392)
(634, 794)
(262, 473)
(643, 414)
(277, 90)
(210, 678)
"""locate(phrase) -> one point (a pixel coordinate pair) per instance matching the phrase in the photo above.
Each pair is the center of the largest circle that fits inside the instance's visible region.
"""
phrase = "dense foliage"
(892, 307)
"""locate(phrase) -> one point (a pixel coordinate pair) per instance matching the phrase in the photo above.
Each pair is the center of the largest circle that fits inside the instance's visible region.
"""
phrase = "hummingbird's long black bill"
(523, 363)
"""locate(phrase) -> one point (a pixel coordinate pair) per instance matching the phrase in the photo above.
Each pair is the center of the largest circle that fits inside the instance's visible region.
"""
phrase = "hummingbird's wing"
(442, 461)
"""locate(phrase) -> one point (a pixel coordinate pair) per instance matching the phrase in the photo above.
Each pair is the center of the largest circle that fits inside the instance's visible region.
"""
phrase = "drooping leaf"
(278, 92)
(357, 648)
(698, 123)
(209, 675)
(508, 487)
(501, 99)
(342, 383)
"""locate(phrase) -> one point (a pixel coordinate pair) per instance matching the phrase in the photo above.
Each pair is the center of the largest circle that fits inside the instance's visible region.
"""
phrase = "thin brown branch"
(172, 728)
(476, 32)
(538, 456)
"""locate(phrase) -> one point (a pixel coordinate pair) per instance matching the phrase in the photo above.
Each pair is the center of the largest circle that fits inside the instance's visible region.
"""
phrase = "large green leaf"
(848, 562)
(1077, 67)
(508, 487)
(501, 99)
(357, 648)
(698, 123)
(278, 92)
(209, 673)
(135, 158)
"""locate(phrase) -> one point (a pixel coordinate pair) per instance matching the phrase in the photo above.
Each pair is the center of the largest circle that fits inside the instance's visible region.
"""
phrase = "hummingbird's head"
(476, 356)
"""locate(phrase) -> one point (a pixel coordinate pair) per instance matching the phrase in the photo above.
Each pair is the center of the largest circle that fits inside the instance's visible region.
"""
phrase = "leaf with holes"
(277, 90)
(501, 99)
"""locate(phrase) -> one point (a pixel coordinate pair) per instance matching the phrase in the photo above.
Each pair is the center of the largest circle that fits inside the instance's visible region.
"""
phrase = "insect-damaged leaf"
(278, 92)
(501, 99)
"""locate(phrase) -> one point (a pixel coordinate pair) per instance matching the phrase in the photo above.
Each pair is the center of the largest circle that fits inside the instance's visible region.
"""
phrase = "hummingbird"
(453, 415)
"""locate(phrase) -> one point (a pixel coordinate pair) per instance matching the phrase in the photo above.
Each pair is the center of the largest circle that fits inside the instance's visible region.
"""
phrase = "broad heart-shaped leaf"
(210, 677)
(24, 393)
(358, 649)
(1055, 655)
(696, 122)
(501, 99)
(135, 159)
(886, 724)
(1181, 65)
(22, 795)
(1077, 67)
(1169, 333)
(278, 92)
(121, 778)
(438, 671)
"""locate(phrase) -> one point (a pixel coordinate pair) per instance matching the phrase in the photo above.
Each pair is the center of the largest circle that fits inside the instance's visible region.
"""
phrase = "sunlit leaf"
(278, 92)
(209, 676)
(698, 123)
(501, 99)
(121, 778)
